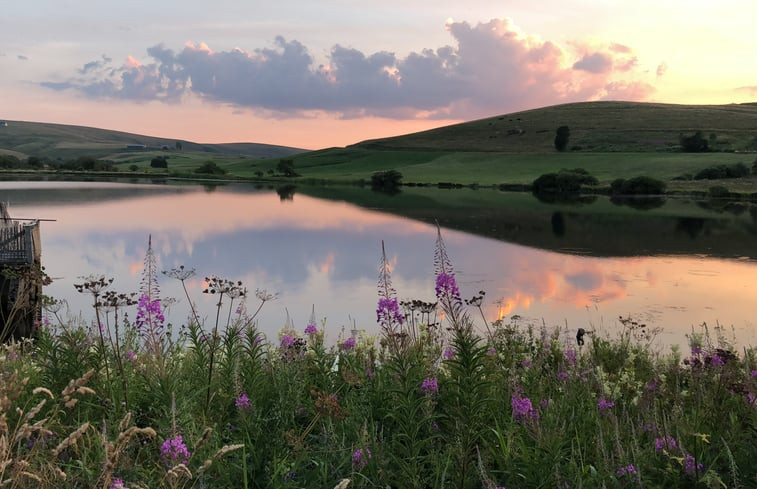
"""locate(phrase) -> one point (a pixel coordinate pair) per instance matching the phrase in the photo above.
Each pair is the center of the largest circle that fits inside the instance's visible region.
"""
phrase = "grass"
(430, 403)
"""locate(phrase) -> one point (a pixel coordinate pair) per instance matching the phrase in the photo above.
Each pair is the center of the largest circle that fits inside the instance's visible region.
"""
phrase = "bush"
(286, 168)
(386, 180)
(210, 168)
(637, 186)
(717, 172)
(718, 192)
(565, 181)
(159, 162)
(695, 143)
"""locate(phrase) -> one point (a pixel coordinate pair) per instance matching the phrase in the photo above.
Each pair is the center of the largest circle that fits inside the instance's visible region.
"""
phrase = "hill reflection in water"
(674, 266)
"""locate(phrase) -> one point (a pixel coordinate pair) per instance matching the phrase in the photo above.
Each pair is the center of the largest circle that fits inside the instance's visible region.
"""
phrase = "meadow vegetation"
(442, 398)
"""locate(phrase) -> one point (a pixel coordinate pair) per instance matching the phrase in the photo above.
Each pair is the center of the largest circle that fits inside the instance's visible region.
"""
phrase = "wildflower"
(173, 451)
(257, 340)
(604, 405)
(696, 349)
(243, 402)
(131, 356)
(348, 344)
(691, 466)
(714, 360)
(754, 373)
(287, 341)
(291, 475)
(523, 410)
(370, 373)
(627, 470)
(448, 354)
(117, 483)
(388, 311)
(562, 376)
(544, 404)
(525, 363)
(430, 385)
(665, 443)
(569, 356)
(446, 287)
(311, 329)
(149, 314)
(360, 458)
(491, 352)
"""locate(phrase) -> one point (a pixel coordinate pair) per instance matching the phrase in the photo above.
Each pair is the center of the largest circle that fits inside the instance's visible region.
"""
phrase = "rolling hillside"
(594, 127)
(24, 139)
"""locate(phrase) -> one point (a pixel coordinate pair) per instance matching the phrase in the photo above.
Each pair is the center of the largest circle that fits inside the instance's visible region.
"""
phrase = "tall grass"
(431, 403)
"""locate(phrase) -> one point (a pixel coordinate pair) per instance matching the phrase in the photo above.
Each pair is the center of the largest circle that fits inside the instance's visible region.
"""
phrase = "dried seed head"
(43, 390)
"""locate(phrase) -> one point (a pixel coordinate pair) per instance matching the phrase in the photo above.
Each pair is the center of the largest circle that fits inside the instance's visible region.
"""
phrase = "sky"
(334, 72)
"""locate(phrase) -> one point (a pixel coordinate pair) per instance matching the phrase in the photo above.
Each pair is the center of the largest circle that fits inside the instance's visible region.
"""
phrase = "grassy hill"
(594, 127)
(24, 139)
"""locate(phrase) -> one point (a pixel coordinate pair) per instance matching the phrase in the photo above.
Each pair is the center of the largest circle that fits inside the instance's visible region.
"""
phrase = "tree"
(695, 143)
(178, 145)
(386, 180)
(285, 166)
(210, 168)
(159, 162)
(561, 138)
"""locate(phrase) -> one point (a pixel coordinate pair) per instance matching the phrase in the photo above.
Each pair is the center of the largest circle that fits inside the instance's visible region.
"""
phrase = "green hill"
(24, 139)
(594, 127)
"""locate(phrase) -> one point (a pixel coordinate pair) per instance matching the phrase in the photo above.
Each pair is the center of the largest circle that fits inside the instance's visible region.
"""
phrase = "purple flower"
(446, 288)
(360, 458)
(287, 341)
(448, 354)
(131, 356)
(491, 352)
(430, 385)
(569, 356)
(751, 398)
(691, 466)
(523, 410)
(149, 314)
(173, 451)
(714, 360)
(257, 340)
(604, 405)
(117, 483)
(348, 344)
(525, 363)
(665, 443)
(628, 472)
(243, 402)
(370, 373)
(562, 376)
(388, 311)
(696, 349)
(311, 329)
(754, 373)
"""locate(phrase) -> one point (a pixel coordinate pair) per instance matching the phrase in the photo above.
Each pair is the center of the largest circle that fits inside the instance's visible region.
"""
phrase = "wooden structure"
(21, 276)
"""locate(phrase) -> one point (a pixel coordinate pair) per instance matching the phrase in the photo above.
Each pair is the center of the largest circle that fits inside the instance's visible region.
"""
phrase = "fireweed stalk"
(388, 313)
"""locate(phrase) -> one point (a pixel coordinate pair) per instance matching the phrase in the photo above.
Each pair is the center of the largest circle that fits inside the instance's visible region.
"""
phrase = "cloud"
(489, 67)
(662, 68)
(752, 90)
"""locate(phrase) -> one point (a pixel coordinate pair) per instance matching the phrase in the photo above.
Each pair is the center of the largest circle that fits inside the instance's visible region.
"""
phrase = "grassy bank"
(430, 403)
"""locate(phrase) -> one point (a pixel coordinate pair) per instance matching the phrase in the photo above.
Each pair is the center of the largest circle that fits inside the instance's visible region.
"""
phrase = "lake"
(671, 264)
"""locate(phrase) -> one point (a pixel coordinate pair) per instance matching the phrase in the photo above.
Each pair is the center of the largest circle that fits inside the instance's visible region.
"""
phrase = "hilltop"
(45, 140)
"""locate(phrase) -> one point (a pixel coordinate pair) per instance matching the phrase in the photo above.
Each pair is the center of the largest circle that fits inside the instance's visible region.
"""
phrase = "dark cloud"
(490, 67)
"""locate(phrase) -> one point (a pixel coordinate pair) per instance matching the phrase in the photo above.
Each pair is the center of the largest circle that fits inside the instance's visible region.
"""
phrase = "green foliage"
(696, 143)
(285, 166)
(716, 172)
(210, 168)
(159, 162)
(565, 181)
(386, 180)
(637, 186)
(561, 138)
(718, 192)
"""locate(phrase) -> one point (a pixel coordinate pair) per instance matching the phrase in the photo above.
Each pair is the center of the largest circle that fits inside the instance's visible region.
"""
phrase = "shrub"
(637, 186)
(561, 138)
(717, 172)
(210, 168)
(565, 181)
(159, 162)
(286, 168)
(385, 180)
(718, 192)
(695, 143)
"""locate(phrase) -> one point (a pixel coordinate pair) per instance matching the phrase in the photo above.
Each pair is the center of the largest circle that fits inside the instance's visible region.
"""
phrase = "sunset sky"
(334, 72)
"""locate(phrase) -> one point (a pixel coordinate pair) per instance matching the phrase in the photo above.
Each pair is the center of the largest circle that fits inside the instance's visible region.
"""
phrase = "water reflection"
(325, 253)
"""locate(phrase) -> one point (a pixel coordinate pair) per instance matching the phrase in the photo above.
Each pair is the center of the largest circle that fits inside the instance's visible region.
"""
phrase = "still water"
(671, 265)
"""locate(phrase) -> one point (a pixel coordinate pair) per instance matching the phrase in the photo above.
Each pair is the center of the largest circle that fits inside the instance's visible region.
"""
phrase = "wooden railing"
(16, 243)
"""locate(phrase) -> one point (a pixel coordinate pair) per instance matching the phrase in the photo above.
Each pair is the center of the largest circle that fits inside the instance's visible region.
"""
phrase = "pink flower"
(243, 402)
(348, 344)
(430, 385)
(173, 451)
